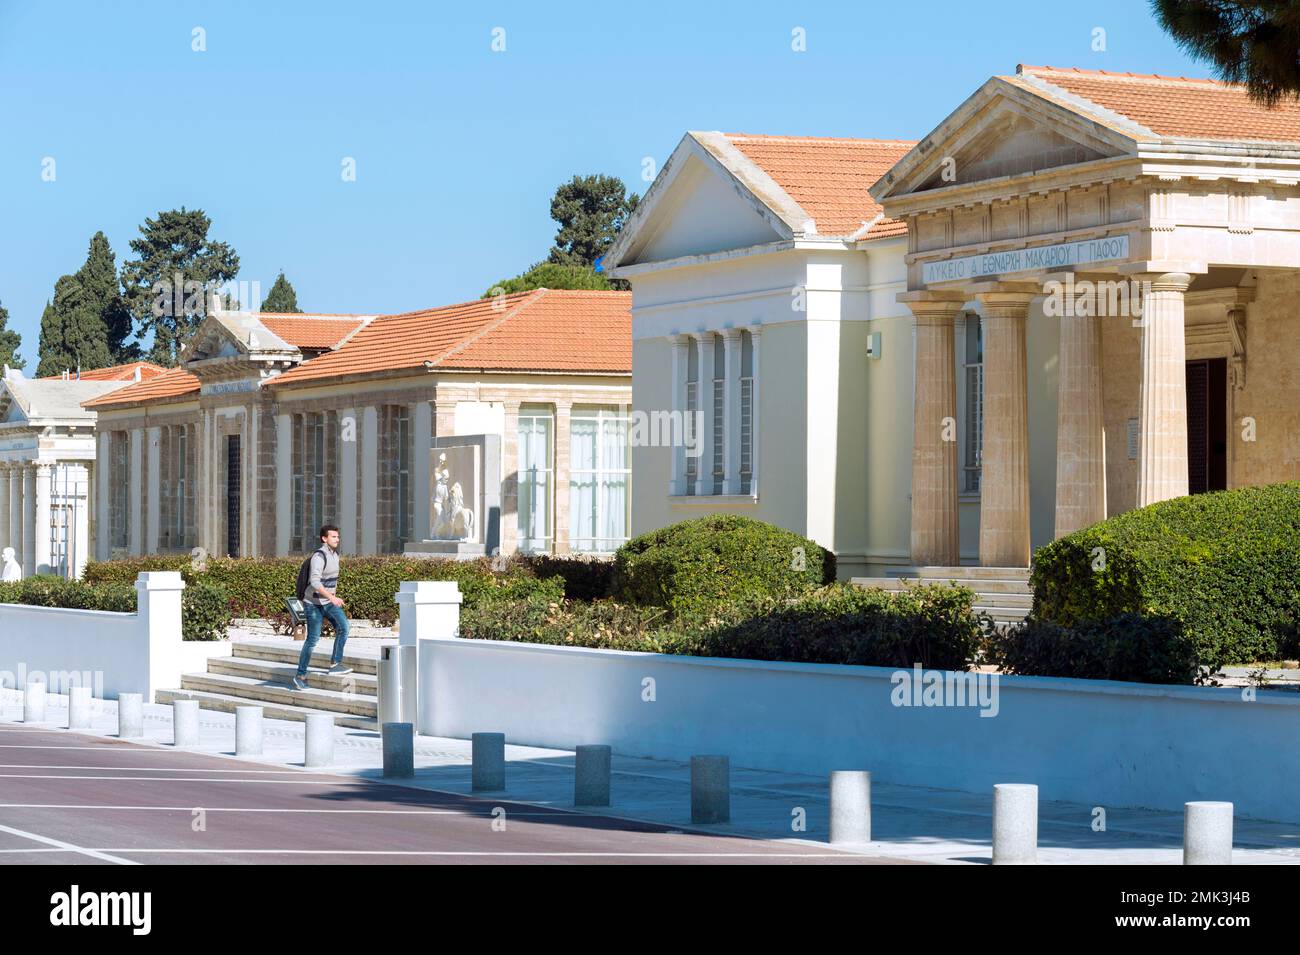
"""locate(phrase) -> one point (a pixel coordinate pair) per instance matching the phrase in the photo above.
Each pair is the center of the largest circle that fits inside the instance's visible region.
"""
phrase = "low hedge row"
(205, 608)
(840, 623)
(257, 587)
(1224, 566)
(1129, 647)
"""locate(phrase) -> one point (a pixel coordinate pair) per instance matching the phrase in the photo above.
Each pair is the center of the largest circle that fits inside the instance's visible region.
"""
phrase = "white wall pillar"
(251, 458)
(29, 520)
(370, 480)
(348, 438)
(283, 483)
(159, 616)
(731, 343)
(1162, 414)
(755, 418)
(422, 426)
(1004, 461)
(153, 490)
(135, 469)
(677, 479)
(704, 403)
(560, 480)
(935, 539)
(41, 549)
(82, 491)
(17, 518)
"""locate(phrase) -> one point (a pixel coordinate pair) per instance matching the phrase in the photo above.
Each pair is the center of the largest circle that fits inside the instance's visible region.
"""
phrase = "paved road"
(74, 799)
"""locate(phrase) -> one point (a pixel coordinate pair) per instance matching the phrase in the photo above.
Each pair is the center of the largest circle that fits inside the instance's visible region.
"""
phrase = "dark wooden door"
(233, 471)
(1207, 425)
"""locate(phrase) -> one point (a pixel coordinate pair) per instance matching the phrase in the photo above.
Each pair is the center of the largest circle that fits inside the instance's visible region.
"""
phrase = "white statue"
(452, 520)
(12, 572)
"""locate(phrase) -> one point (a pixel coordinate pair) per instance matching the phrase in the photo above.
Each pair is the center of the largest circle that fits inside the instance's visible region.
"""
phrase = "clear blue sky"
(458, 149)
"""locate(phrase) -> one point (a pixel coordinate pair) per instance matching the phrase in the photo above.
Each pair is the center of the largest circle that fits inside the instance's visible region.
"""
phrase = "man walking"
(320, 602)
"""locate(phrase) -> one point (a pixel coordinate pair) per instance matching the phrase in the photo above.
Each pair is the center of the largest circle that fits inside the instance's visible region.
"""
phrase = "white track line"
(183, 779)
(509, 853)
(152, 769)
(363, 812)
(68, 846)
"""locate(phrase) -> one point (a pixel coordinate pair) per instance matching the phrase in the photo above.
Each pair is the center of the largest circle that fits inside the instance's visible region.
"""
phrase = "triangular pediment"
(11, 411)
(706, 199)
(1004, 131)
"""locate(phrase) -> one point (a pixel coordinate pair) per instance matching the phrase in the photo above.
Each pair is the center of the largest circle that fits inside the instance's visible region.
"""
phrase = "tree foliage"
(10, 341)
(590, 210)
(1255, 42)
(177, 272)
(86, 325)
(282, 297)
(550, 275)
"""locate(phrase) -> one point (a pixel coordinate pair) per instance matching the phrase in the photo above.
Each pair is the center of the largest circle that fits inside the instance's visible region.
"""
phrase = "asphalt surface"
(67, 798)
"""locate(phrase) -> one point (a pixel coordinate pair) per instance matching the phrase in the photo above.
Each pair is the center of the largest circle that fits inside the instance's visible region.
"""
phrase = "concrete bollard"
(850, 806)
(591, 775)
(488, 762)
(79, 704)
(1207, 833)
(710, 789)
(185, 722)
(388, 686)
(130, 715)
(1015, 824)
(319, 744)
(34, 702)
(399, 750)
(248, 731)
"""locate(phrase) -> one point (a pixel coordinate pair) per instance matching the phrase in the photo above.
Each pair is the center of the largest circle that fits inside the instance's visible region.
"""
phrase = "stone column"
(348, 440)
(677, 479)
(81, 524)
(284, 483)
(1162, 414)
(1004, 477)
(16, 513)
(153, 490)
(935, 540)
(704, 404)
(5, 527)
(563, 412)
(134, 505)
(510, 480)
(29, 520)
(43, 553)
(369, 533)
(755, 421)
(731, 411)
(1080, 423)
(421, 511)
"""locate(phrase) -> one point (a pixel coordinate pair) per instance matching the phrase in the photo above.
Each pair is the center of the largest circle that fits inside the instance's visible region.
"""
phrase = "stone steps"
(319, 657)
(1001, 592)
(281, 694)
(226, 704)
(281, 673)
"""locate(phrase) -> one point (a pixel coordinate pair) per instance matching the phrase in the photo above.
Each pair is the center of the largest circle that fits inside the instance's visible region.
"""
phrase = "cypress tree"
(282, 297)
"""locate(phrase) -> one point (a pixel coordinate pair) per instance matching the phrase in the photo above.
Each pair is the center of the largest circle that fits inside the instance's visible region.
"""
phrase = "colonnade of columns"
(1080, 461)
(27, 492)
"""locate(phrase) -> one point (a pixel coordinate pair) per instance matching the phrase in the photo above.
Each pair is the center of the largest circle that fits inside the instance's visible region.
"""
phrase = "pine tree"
(1256, 42)
(282, 297)
(102, 294)
(10, 341)
(173, 248)
(590, 210)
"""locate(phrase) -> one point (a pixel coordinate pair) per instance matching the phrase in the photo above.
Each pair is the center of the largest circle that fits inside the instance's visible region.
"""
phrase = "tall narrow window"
(120, 482)
(598, 480)
(974, 403)
(746, 413)
(535, 428)
(317, 473)
(180, 457)
(299, 487)
(690, 426)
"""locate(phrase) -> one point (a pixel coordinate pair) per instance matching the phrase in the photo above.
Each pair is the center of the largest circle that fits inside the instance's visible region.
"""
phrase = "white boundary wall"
(111, 652)
(1099, 743)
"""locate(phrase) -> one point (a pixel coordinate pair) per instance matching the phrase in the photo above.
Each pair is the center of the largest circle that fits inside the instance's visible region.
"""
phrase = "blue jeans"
(316, 616)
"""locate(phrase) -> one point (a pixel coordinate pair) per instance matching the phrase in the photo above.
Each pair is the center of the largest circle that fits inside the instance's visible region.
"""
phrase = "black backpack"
(304, 575)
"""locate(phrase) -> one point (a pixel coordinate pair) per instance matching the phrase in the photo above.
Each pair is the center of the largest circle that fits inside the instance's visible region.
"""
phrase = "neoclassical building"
(276, 424)
(47, 464)
(1075, 296)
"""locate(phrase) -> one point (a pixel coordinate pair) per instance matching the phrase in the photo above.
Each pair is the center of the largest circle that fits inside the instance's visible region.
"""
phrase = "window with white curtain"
(746, 413)
(535, 429)
(718, 406)
(598, 479)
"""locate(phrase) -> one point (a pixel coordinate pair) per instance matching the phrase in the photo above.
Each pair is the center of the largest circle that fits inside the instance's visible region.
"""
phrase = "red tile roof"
(1177, 107)
(829, 177)
(118, 372)
(540, 330)
(172, 383)
(310, 331)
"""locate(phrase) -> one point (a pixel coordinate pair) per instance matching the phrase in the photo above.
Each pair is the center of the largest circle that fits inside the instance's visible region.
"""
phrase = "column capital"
(934, 307)
(731, 335)
(1151, 269)
(1011, 296)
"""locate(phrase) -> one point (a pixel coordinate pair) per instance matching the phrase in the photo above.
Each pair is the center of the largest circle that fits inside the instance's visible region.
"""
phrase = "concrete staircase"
(261, 673)
(1001, 592)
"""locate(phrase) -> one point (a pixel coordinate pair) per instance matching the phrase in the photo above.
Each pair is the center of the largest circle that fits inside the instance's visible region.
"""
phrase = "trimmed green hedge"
(694, 566)
(257, 587)
(205, 608)
(1128, 647)
(1225, 566)
(932, 625)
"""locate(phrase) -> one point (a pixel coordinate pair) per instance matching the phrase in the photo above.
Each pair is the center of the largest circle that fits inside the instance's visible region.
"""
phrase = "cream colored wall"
(1272, 393)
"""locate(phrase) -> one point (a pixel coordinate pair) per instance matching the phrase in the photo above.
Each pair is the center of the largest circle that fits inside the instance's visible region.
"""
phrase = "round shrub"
(697, 565)
(1225, 566)
(1128, 647)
